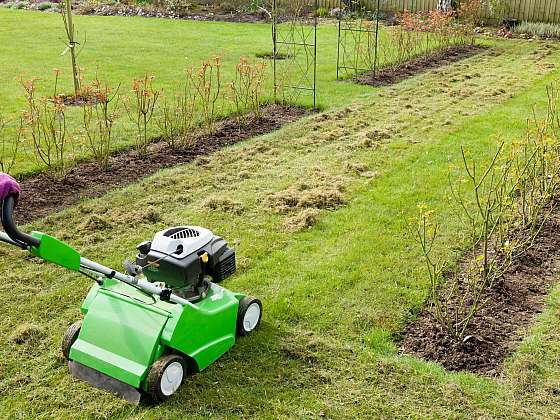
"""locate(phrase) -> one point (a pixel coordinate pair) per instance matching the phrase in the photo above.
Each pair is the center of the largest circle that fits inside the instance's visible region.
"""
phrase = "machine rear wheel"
(249, 315)
(166, 376)
(69, 337)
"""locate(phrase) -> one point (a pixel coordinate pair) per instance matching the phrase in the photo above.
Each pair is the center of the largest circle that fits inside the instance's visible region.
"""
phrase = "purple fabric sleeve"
(8, 186)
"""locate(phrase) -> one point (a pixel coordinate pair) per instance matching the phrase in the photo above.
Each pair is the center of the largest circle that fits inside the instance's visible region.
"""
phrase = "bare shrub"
(177, 116)
(98, 117)
(246, 88)
(9, 145)
(416, 34)
(140, 109)
(45, 120)
(504, 204)
(207, 84)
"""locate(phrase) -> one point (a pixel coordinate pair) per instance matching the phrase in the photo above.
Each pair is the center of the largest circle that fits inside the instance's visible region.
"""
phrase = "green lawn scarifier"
(143, 330)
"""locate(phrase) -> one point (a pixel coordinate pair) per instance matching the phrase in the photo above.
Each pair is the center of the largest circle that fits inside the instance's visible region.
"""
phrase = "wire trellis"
(294, 38)
(358, 40)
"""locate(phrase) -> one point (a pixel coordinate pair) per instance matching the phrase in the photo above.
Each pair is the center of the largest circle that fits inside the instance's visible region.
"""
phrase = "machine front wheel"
(69, 337)
(166, 376)
(249, 315)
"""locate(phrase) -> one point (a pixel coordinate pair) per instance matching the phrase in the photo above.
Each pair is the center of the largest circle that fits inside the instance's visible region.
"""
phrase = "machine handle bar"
(10, 227)
(19, 237)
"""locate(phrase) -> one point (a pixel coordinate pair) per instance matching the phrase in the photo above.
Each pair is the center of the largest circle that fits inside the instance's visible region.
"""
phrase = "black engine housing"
(187, 276)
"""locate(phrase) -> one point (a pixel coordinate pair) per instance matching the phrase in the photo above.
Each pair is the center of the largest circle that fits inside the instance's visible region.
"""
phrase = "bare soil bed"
(500, 326)
(42, 195)
(205, 13)
(190, 11)
(420, 65)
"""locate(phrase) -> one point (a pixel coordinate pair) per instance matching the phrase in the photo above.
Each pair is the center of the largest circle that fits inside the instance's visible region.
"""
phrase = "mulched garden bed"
(420, 65)
(500, 326)
(41, 195)
(188, 11)
(206, 14)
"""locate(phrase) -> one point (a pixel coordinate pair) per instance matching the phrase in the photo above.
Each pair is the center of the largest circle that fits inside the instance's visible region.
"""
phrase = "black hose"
(10, 227)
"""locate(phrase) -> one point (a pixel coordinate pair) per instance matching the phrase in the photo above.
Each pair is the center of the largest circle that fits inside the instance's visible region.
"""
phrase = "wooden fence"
(530, 10)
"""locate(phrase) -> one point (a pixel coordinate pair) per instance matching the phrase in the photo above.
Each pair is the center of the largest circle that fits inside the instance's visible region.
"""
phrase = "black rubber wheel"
(69, 337)
(249, 315)
(166, 376)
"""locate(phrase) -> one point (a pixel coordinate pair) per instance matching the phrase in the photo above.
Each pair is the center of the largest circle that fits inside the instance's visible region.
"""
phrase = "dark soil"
(219, 12)
(205, 13)
(270, 56)
(510, 309)
(420, 65)
(42, 195)
(71, 100)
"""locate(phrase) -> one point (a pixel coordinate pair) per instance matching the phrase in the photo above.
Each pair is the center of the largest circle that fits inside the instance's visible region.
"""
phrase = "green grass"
(119, 50)
(337, 295)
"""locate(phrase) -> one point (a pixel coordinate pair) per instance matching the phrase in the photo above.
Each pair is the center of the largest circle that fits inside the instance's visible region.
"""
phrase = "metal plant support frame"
(349, 31)
(294, 49)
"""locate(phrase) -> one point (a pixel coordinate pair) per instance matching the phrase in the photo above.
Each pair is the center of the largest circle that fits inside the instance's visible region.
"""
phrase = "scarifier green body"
(166, 315)
(124, 331)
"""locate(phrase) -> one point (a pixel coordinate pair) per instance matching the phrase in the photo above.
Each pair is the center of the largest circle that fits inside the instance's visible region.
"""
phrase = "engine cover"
(176, 257)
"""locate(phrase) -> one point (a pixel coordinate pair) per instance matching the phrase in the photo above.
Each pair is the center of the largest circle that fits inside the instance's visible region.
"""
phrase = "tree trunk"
(70, 32)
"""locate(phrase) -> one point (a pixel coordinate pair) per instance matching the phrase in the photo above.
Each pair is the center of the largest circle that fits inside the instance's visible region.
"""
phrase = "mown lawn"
(120, 49)
(337, 295)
